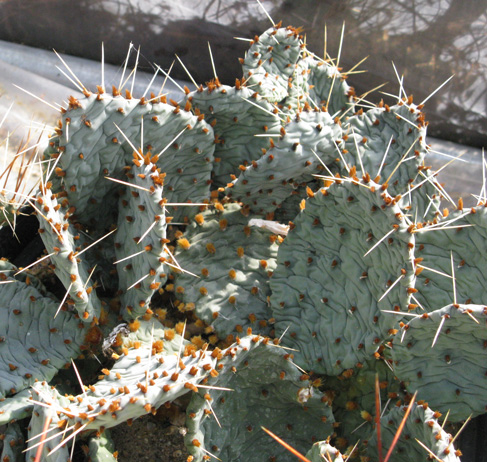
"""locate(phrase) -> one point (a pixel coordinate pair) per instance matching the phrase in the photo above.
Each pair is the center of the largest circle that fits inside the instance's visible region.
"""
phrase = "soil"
(149, 440)
(154, 438)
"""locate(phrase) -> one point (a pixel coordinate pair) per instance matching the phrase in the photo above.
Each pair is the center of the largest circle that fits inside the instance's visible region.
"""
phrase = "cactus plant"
(157, 220)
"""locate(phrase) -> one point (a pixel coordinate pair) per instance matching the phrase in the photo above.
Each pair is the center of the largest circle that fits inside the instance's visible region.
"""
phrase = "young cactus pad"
(236, 114)
(390, 144)
(305, 144)
(270, 62)
(141, 236)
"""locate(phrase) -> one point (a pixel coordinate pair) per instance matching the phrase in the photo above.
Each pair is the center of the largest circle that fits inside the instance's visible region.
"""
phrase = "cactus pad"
(229, 262)
(442, 356)
(269, 391)
(328, 282)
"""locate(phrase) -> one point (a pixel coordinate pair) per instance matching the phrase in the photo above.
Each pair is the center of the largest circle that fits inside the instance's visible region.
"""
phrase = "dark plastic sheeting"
(427, 40)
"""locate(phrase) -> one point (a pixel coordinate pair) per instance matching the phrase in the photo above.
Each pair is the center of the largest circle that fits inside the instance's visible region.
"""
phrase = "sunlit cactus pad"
(237, 114)
(304, 145)
(270, 62)
(347, 258)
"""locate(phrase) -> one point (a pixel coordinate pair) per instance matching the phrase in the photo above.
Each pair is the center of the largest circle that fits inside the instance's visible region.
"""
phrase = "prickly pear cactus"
(158, 220)
(50, 446)
(140, 240)
(97, 136)
(89, 148)
(61, 240)
(146, 375)
(320, 84)
(390, 144)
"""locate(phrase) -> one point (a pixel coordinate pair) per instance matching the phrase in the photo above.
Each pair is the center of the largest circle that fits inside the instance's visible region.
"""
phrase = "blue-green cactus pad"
(266, 389)
(62, 241)
(326, 290)
(35, 343)
(449, 375)
(305, 144)
(229, 262)
(141, 233)
(321, 85)
(238, 114)
(270, 62)
(394, 137)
